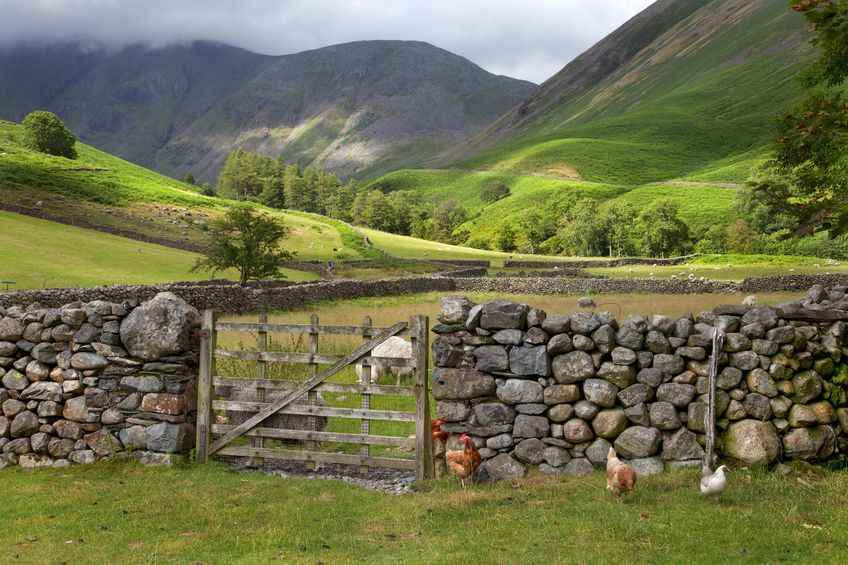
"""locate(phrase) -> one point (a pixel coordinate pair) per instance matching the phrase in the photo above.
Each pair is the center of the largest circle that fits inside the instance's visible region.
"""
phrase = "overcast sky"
(530, 39)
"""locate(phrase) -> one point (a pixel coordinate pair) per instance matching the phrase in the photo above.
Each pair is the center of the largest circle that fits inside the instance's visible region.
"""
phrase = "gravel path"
(388, 481)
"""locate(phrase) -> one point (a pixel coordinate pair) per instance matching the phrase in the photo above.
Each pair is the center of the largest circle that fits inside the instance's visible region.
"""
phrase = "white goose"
(713, 484)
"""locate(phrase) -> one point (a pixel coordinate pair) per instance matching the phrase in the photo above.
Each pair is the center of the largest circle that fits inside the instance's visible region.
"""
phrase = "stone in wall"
(72, 391)
(639, 385)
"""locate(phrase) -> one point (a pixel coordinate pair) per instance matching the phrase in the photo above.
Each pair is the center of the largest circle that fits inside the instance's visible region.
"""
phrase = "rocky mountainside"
(359, 109)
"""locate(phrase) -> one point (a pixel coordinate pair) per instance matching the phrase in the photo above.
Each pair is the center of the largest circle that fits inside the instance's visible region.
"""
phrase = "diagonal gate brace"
(260, 417)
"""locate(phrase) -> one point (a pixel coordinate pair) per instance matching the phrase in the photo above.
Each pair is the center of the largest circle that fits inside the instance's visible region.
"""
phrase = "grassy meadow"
(124, 513)
(40, 254)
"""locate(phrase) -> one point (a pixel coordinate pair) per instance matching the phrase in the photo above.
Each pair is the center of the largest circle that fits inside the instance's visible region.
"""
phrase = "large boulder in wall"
(161, 326)
(753, 442)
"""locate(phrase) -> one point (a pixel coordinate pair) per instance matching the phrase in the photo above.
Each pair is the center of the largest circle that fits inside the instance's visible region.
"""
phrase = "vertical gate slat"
(365, 425)
(312, 396)
(420, 337)
(206, 371)
(261, 373)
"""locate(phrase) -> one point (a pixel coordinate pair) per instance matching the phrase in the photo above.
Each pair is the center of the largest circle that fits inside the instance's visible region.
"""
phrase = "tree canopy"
(246, 241)
(45, 132)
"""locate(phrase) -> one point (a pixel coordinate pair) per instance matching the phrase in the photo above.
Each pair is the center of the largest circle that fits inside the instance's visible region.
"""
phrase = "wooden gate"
(215, 438)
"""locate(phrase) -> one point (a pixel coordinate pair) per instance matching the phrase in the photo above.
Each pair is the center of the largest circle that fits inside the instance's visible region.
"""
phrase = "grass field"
(123, 513)
(38, 254)
(730, 267)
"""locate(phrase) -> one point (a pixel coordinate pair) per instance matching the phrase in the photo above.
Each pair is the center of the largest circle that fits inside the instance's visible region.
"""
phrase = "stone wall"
(227, 297)
(558, 390)
(589, 263)
(91, 380)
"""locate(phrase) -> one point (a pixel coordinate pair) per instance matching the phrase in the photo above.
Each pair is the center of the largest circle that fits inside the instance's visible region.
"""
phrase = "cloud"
(529, 39)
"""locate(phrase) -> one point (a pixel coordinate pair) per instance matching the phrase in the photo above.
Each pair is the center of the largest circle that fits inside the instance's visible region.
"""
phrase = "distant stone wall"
(227, 297)
(598, 263)
(97, 379)
(556, 391)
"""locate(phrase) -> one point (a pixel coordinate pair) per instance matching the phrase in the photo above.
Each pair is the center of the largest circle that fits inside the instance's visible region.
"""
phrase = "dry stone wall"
(86, 381)
(556, 391)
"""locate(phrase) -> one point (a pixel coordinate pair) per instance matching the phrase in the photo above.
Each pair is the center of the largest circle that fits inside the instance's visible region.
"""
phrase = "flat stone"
(638, 415)
(535, 408)
(461, 384)
(530, 451)
(663, 416)
(556, 324)
(163, 403)
(650, 377)
(621, 376)
(560, 394)
(669, 365)
(579, 467)
(647, 466)
(519, 391)
(13, 380)
(681, 445)
(604, 338)
(500, 441)
(11, 329)
(170, 438)
(82, 457)
(493, 413)
(638, 442)
(573, 367)
(504, 467)
(600, 392)
(88, 361)
(586, 410)
(502, 314)
(67, 429)
(556, 456)
(679, 395)
(609, 423)
(509, 337)
(559, 344)
(24, 424)
(76, 410)
(530, 426)
(43, 390)
(530, 361)
(452, 411)
(455, 309)
(102, 443)
(491, 358)
(757, 406)
(584, 323)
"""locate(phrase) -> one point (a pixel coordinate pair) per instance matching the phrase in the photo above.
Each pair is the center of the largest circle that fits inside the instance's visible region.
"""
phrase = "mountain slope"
(359, 108)
(708, 87)
(680, 102)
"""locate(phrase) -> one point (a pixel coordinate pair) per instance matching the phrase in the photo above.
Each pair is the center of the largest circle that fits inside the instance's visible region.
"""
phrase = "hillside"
(359, 109)
(81, 257)
(680, 102)
(105, 193)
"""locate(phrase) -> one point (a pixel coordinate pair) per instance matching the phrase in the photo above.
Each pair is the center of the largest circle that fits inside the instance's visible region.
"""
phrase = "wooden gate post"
(206, 372)
(419, 331)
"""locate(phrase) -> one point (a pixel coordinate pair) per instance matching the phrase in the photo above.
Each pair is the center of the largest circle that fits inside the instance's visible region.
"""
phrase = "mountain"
(359, 109)
(679, 102)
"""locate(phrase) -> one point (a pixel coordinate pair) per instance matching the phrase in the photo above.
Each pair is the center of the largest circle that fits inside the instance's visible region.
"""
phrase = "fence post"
(710, 416)
(312, 396)
(365, 403)
(206, 372)
(420, 336)
(261, 373)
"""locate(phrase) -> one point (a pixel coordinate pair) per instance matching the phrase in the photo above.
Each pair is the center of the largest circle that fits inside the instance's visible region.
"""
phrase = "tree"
(446, 218)
(812, 145)
(245, 241)
(46, 133)
(581, 230)
(619, 221)
(505, 240)
(740, 237)
(663, 232)
(494, 191)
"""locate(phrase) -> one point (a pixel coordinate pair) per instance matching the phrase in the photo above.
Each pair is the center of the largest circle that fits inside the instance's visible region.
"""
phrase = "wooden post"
(365, 379)
(312, 396)
(261, 373)
(206, 372)
(419, 330)
(710, 424)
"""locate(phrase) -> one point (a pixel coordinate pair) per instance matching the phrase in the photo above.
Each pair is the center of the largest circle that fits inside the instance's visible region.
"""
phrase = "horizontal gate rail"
(304, 410)
(319, 457)
(306, 435)
(304, 358)
(301, 329)
(268, 384)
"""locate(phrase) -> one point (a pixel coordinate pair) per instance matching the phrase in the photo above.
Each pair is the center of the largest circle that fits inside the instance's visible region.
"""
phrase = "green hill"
(37, 253)
(679, 103)
(106, 193)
